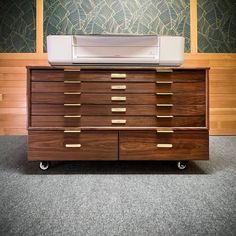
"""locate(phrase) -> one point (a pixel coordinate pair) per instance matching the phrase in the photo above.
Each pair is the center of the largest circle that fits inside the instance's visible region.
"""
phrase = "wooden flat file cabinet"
(117, 113)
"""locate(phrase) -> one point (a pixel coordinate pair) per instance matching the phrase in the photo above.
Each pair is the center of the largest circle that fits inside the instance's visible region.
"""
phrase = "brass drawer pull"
(165, 105)
(70, 69)
(72, 93)
(165, 116)
(164, 82)
(164, 145)
(118, 98)
(120, 109)
(165, 131)
(72, 131)
(118, 87)
(118, 121)
(165, 94)
(73, 145)
(164, 70)
(68, 116)
(72, 104)
(118, 76)
(72, 82)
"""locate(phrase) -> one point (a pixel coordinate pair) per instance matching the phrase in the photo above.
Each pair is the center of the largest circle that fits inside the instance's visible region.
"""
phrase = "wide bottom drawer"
(85, 145)
(152, 145)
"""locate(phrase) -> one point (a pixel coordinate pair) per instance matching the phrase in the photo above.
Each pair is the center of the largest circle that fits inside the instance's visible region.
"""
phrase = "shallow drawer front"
(112, 75)
(141, 110)
(108, 110)
(142, 121)
(117, 121)
(139, 99)
(87, 145)
(143, 99)
(47, 75)
(135, 75)
(92, 87)
(54, 109)
(150, 145)
(56, 98)
(46, 87)
(56, 121)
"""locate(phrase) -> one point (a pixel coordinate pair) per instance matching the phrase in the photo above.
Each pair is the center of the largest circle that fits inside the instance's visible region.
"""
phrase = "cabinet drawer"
(141, 110)
(131, 99)
(47, 75)
(135, 75)
(112, 75)
(150, 145)
(47, 87)
(117, 121)
(109, 110)
(54, 109)
(92, 87)
(87, 145)
(55, 121)
(55, 98)
(144, 99)
(117, 75)
(142, 121)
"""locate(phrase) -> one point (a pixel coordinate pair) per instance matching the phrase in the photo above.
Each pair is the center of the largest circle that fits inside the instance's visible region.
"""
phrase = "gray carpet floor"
(111, 198)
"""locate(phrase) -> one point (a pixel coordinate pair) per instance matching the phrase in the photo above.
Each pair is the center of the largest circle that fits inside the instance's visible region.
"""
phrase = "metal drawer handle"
(72, 131)
(73, 145)
(165, 131)
(118, 98)
(164, 70)
(165, 116)
(72, 104)
(164, 82)
(118, 87)
(72, 82)
(118, 121)
(71, 69)
(68, 116)
(165, 94)
(165, 105)
(72, 93)
(120, 109)
(164, 145)
(118, 76)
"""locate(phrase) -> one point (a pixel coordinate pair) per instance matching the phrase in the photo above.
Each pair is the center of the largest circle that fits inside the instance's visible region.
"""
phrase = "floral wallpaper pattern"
(17, 26)
(150, 17)
(217, 26)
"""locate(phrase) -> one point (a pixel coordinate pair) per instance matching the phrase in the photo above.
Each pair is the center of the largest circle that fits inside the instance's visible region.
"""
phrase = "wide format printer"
(115, 49)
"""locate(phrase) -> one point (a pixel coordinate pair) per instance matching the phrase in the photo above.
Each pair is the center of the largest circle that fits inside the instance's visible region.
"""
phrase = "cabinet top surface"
(108, 67)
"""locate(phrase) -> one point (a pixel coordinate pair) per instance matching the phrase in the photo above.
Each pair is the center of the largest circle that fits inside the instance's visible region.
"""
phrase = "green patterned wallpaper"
(217, 26)
(17, 26)
(162, 17)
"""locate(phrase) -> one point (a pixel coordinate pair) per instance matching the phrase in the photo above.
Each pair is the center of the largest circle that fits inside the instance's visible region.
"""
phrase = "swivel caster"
(44, 165)
(182, 164)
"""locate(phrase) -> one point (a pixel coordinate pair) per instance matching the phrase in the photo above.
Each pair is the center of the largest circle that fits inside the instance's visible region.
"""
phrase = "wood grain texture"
(95, 145)
(133, 121)
(106, 110)
(223, 69)
(142, 145)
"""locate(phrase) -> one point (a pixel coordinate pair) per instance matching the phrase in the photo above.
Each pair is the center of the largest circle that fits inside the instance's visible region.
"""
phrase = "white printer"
(115, 49)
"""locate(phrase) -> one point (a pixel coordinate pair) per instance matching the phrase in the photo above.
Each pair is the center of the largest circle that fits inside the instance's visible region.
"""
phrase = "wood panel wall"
(222, 82)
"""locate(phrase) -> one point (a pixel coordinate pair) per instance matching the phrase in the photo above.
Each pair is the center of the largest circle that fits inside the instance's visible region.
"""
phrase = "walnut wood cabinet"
(117, 113)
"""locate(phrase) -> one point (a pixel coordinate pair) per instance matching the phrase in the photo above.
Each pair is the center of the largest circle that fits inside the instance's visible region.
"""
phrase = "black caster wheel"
(182, 164)
(44, 165)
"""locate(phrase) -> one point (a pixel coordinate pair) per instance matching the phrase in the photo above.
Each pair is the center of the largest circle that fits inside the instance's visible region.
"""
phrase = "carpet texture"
(112, 198)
